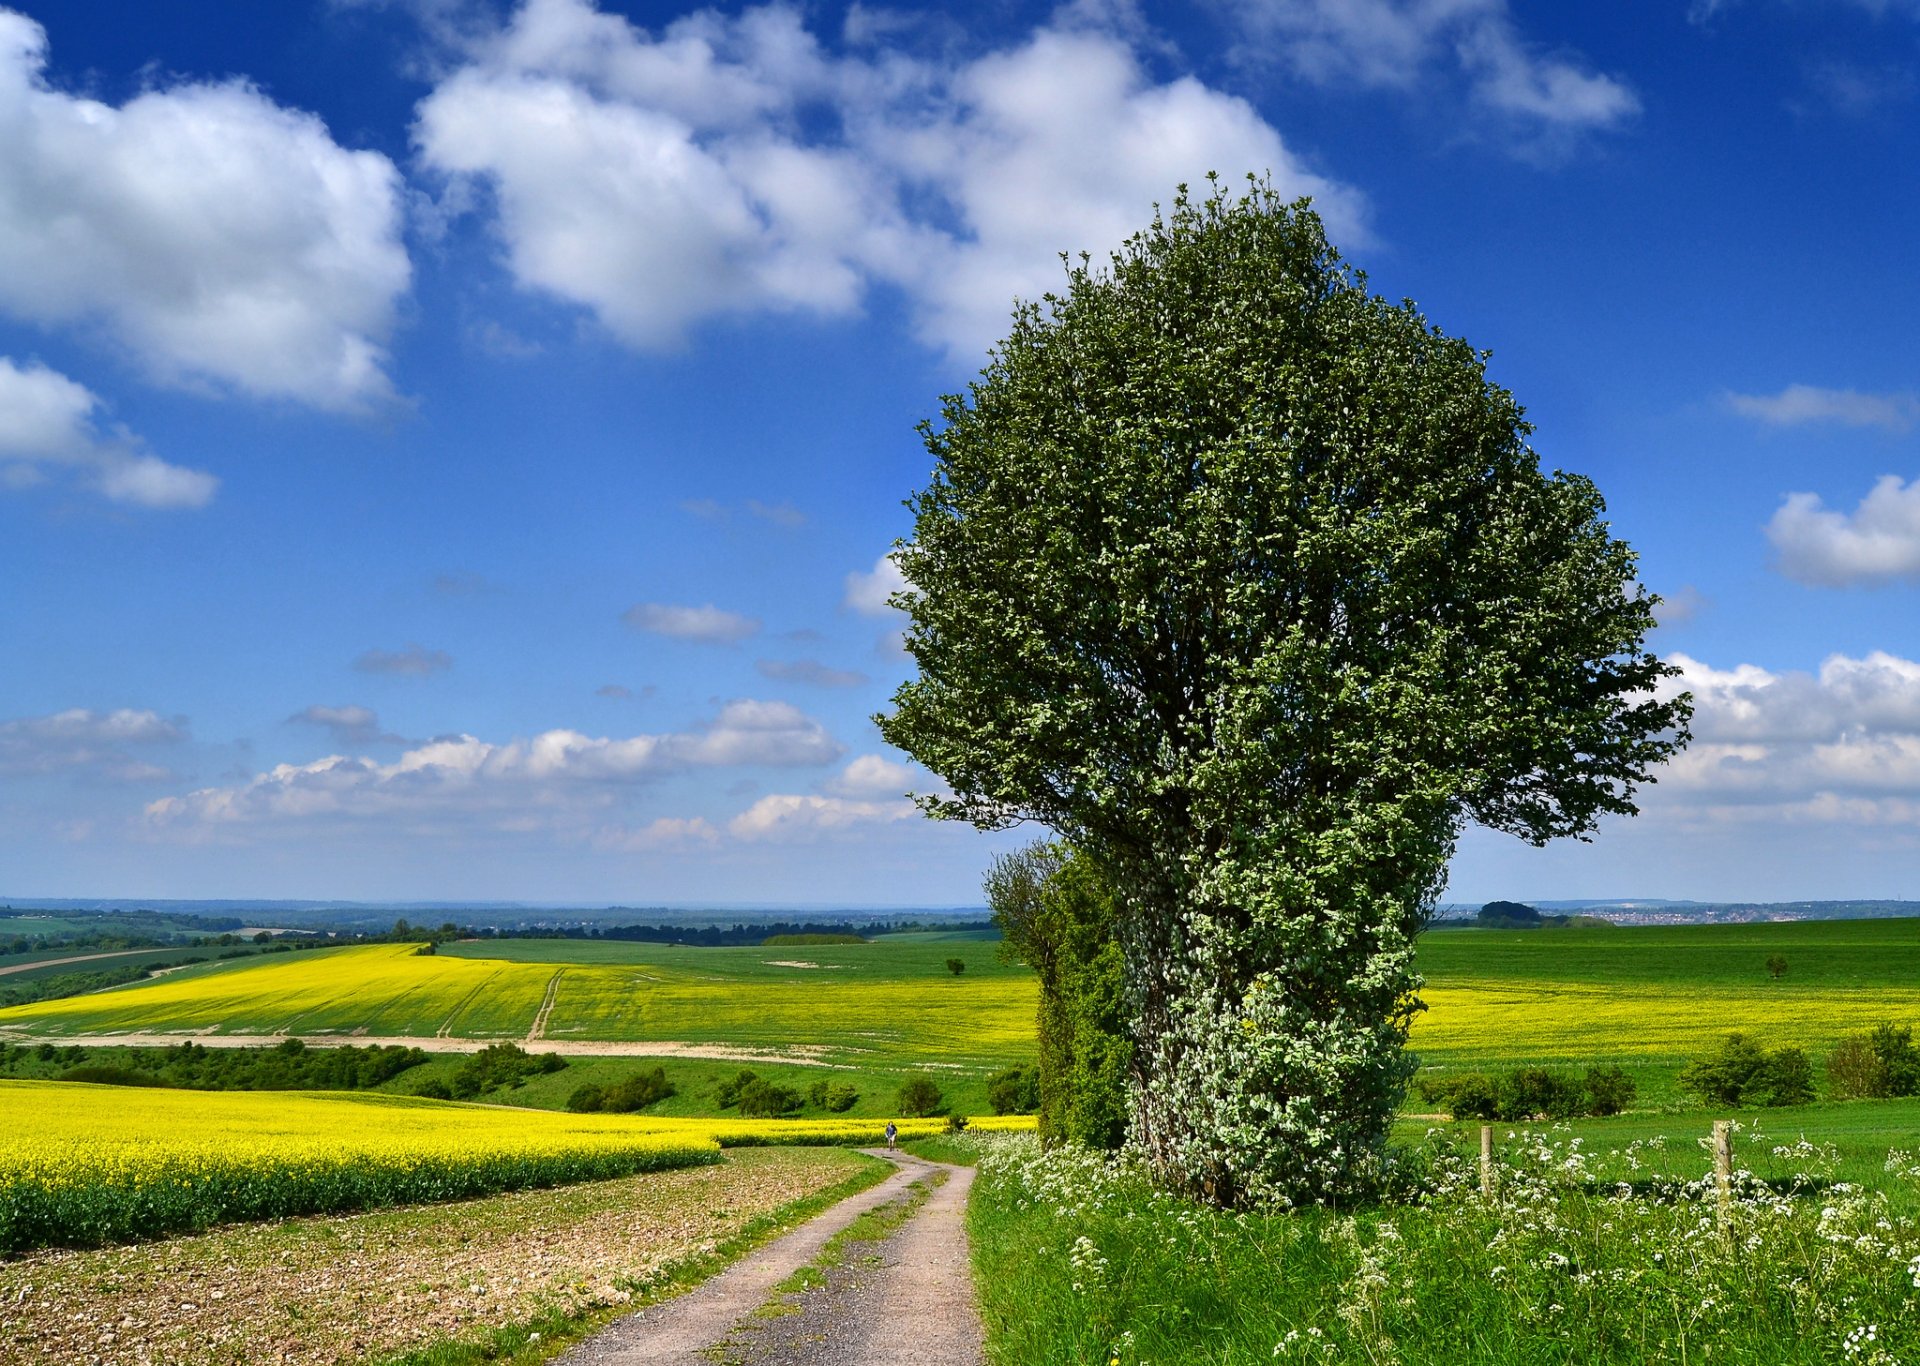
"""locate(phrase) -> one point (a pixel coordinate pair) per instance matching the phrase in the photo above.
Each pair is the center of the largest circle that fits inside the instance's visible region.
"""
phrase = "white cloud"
(90, 741)
(867, 590)
(1401, 44)
(668, 834)
(710, 624)
(1799, 404)
(730, 164)
(1795, 746)
(414, 661)
(872, 775)
(524, 783)
(48, 420)
(787, 817)
(809, 671)
(1878, 542)
(214, 234)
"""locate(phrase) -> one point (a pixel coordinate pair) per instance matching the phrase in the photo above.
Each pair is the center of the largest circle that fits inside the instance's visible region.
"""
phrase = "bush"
(919, 1096)
(1854, 1071)
(434, 1089)
(638, 1091)
(1015, 1091)
(1744, 1073)
(836, 1096)
(764, 1100)
(727, 1093)
(587, 1099)
(1609, 1090)
(1785, 1079)
(1470, 1095)
(1529, 1091)
(502, 1064)
(956, 966)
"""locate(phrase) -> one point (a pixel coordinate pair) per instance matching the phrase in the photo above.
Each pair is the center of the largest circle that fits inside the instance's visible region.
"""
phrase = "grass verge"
(1078, 1260)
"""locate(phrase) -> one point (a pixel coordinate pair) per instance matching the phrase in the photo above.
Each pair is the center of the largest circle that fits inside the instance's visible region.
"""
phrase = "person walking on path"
(893, 1132)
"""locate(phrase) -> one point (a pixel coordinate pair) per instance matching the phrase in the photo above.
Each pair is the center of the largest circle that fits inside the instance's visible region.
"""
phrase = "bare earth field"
(373, 1285)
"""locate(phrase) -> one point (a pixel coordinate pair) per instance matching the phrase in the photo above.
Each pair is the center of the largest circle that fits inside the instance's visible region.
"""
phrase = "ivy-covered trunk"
(1271, 1018)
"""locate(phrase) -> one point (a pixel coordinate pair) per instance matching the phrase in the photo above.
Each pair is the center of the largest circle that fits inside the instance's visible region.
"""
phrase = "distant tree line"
(287, 1066)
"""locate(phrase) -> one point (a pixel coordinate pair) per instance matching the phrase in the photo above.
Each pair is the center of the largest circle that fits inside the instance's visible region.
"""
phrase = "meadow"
(1079, 1260)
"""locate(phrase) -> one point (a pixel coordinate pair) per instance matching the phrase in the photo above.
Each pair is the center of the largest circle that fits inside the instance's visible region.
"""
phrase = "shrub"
(1744, 1073)
(1785, 1079)
(1470, 1095)
(919, 1096)
(727, 1093)
(836, 1096)
(1015, 1091)
(638, 1091)
(764, 1100)
(434, 1089)
(1609, 1090)
(956, 966)
(1529, 1091)
(502, 1064)
(587, 1099)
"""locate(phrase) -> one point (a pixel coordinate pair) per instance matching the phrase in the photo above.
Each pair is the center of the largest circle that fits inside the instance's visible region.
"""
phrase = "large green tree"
(1247, 583)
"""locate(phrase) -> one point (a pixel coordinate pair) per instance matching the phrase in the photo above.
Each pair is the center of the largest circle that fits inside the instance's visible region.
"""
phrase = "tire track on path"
(910, 1297)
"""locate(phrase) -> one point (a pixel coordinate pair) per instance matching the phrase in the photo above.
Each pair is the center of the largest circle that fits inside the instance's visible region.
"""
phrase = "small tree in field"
(1776, 966)
(956, 966)
(1247, 584)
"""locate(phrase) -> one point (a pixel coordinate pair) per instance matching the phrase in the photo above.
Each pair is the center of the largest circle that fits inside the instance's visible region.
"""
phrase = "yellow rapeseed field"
(83, 1164)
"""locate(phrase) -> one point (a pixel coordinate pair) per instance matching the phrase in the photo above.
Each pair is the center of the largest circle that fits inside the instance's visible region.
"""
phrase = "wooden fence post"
(1486, 1161)
(1723, 1170)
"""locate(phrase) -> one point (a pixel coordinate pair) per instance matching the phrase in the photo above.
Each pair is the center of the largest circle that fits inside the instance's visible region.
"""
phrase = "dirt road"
(908, 1295)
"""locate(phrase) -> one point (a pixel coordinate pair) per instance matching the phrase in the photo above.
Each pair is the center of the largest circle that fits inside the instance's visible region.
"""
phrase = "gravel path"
(907, 1296)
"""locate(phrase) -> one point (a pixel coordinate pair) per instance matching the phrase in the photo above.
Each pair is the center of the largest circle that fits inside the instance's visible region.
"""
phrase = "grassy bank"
(1078, 1260)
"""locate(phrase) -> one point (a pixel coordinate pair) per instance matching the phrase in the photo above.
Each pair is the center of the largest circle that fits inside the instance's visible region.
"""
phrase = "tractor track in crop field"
(539, 1029)
(834, 1292)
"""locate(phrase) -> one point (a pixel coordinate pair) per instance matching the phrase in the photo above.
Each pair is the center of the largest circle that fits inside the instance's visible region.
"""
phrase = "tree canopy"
(1247, 583)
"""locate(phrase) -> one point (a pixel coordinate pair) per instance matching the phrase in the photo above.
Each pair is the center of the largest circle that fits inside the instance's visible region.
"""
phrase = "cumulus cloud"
(809, 671)
(728, 164)
(213, 234)
(1801, 404)
(709, 624)
(522, 782)
(48, 421)
(873, 775)
(870, 793)
(93, 742)
(1402, 44)
(867, 590)
(414, 661)
(788, 817)
(346, 725)
(1837, 744)
(1878, 542)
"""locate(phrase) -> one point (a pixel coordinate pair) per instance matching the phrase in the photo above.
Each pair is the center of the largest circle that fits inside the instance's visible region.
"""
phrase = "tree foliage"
(1057, 915)
(1247, 584)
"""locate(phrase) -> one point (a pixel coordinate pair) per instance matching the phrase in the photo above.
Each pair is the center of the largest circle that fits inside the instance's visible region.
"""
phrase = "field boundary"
(572, 1048)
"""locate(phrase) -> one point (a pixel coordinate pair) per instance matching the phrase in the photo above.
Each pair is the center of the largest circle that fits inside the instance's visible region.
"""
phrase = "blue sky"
(450, 449)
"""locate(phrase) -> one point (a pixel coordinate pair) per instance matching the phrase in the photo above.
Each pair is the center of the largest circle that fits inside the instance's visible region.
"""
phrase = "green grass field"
(1647, 998)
